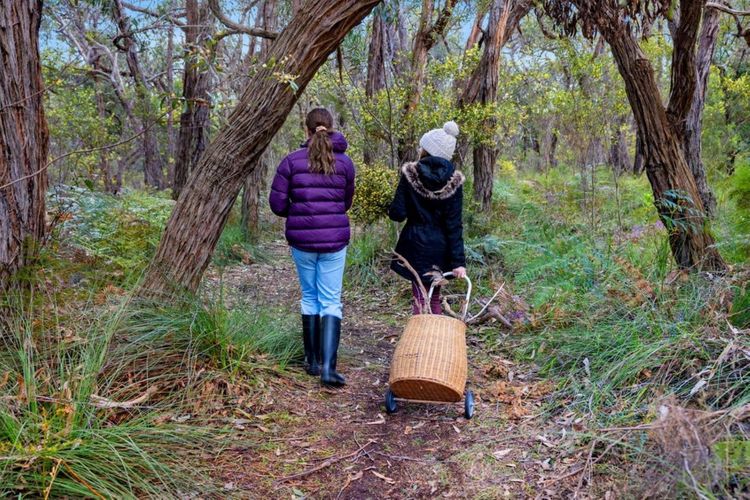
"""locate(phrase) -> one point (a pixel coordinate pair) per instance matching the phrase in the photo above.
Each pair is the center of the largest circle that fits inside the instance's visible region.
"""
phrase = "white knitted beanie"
(441, 142)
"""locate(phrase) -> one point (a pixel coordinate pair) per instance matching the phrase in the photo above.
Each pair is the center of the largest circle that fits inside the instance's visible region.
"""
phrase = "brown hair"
(319, 123)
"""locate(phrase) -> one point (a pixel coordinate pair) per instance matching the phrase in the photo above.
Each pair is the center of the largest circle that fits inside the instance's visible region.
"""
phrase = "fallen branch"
(492, 313)
(327, 463)
(399, 457)
(488, 303)
(101, 402)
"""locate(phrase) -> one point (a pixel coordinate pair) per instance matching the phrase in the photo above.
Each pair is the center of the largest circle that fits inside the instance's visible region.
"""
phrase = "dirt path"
(321, 443)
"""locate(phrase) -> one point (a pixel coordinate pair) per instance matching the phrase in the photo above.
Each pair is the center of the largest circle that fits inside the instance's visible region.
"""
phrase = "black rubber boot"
(330, 335)
(311, 339)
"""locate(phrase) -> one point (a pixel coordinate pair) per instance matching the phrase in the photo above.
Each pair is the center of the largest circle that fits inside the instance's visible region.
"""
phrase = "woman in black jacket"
(429, 197)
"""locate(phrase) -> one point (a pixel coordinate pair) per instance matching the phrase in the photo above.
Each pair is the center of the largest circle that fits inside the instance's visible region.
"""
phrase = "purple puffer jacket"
(315, 205)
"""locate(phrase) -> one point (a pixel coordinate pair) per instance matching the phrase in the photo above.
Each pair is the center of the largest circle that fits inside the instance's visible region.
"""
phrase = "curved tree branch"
(727, 9)
(234, 27)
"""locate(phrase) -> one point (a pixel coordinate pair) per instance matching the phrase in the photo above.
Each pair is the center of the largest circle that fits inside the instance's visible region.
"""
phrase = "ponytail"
(319, 123)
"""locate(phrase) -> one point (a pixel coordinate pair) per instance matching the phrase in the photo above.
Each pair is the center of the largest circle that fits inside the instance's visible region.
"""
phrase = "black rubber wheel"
(469, 405)
(390, 402)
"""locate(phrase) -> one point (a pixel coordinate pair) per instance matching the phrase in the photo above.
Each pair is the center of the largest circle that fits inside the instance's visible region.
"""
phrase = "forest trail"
(323, 443)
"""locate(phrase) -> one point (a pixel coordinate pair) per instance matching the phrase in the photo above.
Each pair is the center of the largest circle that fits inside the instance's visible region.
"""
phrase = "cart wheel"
(390, 402)
(469, 405)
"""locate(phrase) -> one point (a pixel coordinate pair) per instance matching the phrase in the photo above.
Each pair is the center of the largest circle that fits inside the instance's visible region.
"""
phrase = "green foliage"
(740, 193)
(740, 314)
(234, 341)
(56, 437)
(603, 320)
(122, 231)
(726, 128)
(234, 247)
(375, 187)
(368, 256)
(75, 124)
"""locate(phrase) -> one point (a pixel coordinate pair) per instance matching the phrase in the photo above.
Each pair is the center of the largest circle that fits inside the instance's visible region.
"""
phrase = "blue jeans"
(320, 276)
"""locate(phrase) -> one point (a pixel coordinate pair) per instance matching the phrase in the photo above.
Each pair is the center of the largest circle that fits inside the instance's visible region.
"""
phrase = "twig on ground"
(101, 402)
(327, 463)
(399, 457)
(349, 480)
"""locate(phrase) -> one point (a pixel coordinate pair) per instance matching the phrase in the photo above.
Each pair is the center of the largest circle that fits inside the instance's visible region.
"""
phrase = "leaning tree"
(23, 136)
(661, 128)
(201, 212)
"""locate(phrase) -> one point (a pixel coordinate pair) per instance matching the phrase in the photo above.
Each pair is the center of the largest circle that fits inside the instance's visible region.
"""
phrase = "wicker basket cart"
(429, 364)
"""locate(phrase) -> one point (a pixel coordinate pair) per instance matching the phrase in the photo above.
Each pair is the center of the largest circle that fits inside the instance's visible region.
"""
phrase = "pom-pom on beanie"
(441, 142)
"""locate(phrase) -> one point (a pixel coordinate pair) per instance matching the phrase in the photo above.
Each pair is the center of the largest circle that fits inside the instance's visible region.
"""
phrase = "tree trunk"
(201, 212)
(104, 163)
(475, 37)
(152, 164)
(426, 37)
(24, 137)
(251, 199)
(194, 120)
(250, 209)
(171, 139)
(675, 192)
(481, 88)
(380, 56)
(485, 157)
(639, 162)
(619, 158)
(693, 127)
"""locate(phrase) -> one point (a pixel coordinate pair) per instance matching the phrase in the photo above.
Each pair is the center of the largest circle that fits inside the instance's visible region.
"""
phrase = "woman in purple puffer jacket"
(313, 189)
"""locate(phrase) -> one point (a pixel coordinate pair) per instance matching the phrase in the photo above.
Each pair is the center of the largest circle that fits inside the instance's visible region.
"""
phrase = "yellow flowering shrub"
(375, 186)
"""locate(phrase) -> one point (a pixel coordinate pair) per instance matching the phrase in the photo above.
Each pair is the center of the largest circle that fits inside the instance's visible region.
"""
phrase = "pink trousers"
(435, 306)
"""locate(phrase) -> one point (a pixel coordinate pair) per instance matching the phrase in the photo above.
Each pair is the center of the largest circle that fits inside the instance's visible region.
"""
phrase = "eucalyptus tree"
(660, 127)
(24, 138)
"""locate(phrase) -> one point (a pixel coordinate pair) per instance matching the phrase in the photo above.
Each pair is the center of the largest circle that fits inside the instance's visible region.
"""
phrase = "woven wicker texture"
(430, 359)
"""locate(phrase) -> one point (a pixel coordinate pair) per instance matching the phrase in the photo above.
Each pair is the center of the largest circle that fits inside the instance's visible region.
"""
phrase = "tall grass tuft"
(234, 341)
(64, 433)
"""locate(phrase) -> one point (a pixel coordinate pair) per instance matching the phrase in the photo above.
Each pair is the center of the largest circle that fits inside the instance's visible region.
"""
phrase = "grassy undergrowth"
(614, 322)
(90, 397)
(92, 381)
(626, 337)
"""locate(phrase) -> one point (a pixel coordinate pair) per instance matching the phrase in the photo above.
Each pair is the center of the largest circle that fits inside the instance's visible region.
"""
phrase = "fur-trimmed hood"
(433, 178)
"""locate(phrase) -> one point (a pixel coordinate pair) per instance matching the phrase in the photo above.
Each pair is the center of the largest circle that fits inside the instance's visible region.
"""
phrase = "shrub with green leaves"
(122, 231)
(376, 185)
(740, 193)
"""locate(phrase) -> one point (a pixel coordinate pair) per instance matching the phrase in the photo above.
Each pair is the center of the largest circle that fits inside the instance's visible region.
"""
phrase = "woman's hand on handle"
(459, 272)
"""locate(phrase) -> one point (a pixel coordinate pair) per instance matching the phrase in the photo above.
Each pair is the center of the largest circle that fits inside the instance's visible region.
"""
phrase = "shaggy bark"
(693, 123)
(619, 158)
(201, 212)
(24, 137)
(676, 194)
(194, 120)
(380, 57)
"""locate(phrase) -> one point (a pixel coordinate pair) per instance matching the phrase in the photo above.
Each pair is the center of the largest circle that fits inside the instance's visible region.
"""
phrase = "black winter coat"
(430, 198)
